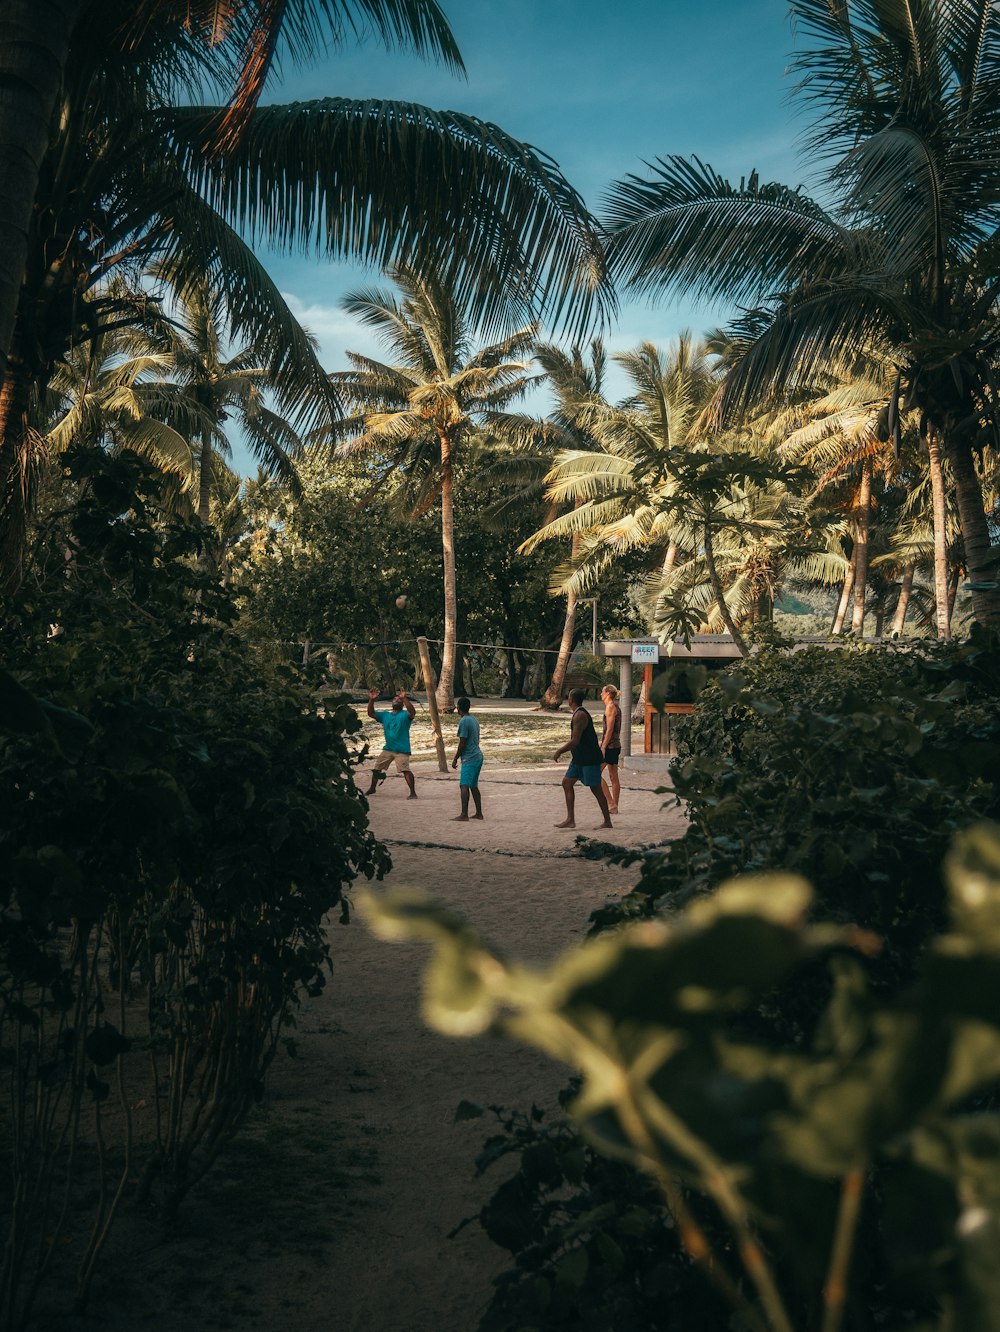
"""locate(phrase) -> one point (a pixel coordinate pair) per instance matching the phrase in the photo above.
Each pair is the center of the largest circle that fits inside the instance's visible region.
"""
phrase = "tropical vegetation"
(772, 1079)
(905, 108)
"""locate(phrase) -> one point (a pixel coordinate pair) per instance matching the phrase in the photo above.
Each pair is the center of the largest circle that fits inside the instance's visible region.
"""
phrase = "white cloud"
(335, 330)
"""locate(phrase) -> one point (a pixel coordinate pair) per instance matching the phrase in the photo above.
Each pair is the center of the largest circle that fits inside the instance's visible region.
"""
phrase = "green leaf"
(972, 869)
(572, 1268)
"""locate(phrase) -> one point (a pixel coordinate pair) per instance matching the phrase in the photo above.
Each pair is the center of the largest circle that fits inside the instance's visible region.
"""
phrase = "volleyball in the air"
(401, 603)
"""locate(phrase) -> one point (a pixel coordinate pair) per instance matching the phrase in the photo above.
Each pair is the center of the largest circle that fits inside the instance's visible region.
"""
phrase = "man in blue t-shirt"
(472, 761)
(396, 729)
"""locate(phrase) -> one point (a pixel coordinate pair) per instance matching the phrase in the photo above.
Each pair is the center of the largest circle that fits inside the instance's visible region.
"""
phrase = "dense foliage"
(858, 768)
(329, 568)
(851, 1179)
(177, 821)
(591, 1242)
(852, 767)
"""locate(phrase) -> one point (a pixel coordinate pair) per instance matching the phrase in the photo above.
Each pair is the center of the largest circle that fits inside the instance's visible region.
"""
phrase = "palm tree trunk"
(460, 662)
(936, 468)
(446, 680)
(553, 696)
(720, 596)
(516, 666)
(906, 587)
(845, 596)
(537, 671)
(205, 480)
(639, 711)
(862, 524)
(34, 44)
(982, 571)
(15, 472)
(953, 582)
(667, 568)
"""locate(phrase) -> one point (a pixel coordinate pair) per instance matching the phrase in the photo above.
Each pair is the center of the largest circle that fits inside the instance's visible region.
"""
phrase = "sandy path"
(511, 877)
(333, 1211)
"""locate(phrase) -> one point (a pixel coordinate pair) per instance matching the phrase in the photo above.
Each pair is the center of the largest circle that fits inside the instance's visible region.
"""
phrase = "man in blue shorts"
(586, 756)
(472, 761)
(396, 729)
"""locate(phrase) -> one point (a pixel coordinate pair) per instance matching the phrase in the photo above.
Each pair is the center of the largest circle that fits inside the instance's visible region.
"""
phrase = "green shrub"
(176, 823)
(855, 767)
(843, 1180)
(852, 767)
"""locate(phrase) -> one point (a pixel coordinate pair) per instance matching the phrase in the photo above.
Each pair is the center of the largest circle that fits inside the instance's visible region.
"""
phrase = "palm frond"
(688, 230)
(397, 183)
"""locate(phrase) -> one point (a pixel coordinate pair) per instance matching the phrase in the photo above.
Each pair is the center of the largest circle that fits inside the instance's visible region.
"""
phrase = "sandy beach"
(333, 1208)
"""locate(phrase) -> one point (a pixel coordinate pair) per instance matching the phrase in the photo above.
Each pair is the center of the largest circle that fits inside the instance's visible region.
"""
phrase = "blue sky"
(600, 88)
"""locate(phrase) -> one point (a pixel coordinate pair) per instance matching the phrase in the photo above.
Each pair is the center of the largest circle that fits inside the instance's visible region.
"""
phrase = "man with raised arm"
(396, 729)
(586, 756)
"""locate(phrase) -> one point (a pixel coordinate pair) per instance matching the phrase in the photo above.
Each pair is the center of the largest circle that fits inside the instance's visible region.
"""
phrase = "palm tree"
(721, 517)
(838, 438)
(223, 388)
(112, 393)
(908, 113)
(41, 41)
(613, 486)
(418, 413)
(129, 177)
(110, 201)
(534, 444)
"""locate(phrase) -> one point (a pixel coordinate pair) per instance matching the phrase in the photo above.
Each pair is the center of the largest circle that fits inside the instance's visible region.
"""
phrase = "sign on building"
(646, 654)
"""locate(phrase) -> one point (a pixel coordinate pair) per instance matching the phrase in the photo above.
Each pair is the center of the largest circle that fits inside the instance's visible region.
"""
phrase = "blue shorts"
(587, 773)
(470, 772)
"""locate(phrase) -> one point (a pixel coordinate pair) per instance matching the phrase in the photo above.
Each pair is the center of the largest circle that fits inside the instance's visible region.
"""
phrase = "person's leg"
(471, 778)
(602, 800)
(378, 772)
(613, 789)
(408, 778)
(567, 786)
(606, 772)
(463, 792)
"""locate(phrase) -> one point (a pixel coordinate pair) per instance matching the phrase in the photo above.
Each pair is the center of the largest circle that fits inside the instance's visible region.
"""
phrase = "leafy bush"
(848, 1183)
(593, 1245)
(177, 821)
(854, 768)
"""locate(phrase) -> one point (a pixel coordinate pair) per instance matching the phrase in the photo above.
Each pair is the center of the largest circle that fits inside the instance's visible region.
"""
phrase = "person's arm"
(404, 698)
(575, 735)
(372, 696)
(459, 751)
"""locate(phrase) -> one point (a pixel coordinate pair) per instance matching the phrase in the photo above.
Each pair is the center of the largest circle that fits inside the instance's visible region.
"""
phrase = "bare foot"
(566, 823)
(606, 824)
(412, 795)
(613, 809)
(477, 816)
(460, 818)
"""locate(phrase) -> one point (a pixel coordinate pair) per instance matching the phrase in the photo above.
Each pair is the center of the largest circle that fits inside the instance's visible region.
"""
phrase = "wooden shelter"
(652, 657)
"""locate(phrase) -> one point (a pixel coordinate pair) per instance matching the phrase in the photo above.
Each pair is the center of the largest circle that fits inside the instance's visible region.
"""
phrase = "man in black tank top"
(585, 751)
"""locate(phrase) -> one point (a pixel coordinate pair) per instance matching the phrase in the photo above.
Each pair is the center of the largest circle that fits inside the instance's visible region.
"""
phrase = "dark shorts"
(587, 773)
(611, 756)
